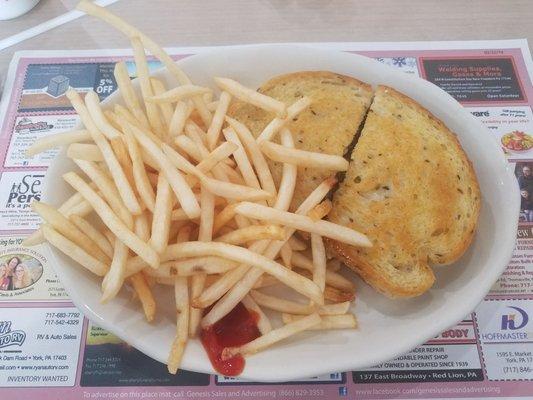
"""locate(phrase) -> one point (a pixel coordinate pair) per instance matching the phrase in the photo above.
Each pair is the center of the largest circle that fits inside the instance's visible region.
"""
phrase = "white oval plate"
(388, 328)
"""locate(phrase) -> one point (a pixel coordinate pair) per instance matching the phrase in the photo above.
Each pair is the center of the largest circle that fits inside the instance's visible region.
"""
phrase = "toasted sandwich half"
(412, 190)
(329, 125)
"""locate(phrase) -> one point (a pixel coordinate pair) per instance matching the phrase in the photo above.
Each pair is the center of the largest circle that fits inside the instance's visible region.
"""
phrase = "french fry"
(181, 294)
(219, 154)
(69, 230)
(282, 305)
(94, 234)
(292, 307)
(121, 181)
(82, 209)
(85, 151)
(251, 233)
(266, 281)
(192, 266)
(197, 286)
(161, 216)
(220, 287)
(166, 109)
(110, 219)
(286, 255)
(320, 211)
(233, 175)
(74, 251)
(338, 295)
(277, 123)
(245, 256)
(112, 119)
(108, 190)
(247, 95)
(146, 297)
(142, 227)
(212, 106)
(175, 179)
(92, 102)
(198, 136)
(331, 277)
(121, 152)
(205, 234)
(179, 93)
(219, 188)
(338, 281)
(130, 31)
(129, 96)
(303, 158)
(288, 177)
(114, 278)
(303, 223)
(263, 323)
(57, 140)
(274, 336)
(143, 74)
(328, 322)
(186, 144)
(207, 200)
(223, 217)
(301, 261)
(178, 215)
(140, 178)
(242, 160)
(213, 132)
(110, 236)
(233, 191)
(179, 117)
(319, 261)
(261, 166)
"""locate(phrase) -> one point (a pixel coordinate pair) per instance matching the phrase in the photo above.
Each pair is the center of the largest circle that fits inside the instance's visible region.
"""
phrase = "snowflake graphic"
(411, 62)
(380, 59)
(399, 61)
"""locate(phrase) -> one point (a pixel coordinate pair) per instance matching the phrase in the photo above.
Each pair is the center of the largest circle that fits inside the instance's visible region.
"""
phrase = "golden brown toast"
(411, 189)
(339, 104)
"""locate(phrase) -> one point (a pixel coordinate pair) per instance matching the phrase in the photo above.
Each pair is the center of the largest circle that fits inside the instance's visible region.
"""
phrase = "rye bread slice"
(412, 190)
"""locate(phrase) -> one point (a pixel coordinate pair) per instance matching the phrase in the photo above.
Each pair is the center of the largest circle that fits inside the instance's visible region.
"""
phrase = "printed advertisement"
(45, 342)
(27, 130)
(39, 346)
(19, 189)
(26, 274)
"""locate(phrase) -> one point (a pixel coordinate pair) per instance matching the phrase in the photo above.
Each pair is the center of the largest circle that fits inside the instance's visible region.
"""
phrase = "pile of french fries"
(172, 191)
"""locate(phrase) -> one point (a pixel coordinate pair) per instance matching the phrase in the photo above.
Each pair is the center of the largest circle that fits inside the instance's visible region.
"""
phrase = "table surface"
(212, 22)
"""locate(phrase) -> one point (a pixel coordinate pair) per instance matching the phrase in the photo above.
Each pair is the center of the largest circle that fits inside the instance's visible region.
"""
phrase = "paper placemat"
(45, 342)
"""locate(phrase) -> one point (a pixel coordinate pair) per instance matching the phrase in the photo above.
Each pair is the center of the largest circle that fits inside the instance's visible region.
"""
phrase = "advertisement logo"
(480, 113)
(24, 192)
(26, 125)
(9, 337)
(514, 321)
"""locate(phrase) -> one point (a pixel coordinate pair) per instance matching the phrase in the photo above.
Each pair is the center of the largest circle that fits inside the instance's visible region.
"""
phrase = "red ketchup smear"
(235, 329)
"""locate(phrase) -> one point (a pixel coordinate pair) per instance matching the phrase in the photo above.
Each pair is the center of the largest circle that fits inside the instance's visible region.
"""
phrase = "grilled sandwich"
(412, 190)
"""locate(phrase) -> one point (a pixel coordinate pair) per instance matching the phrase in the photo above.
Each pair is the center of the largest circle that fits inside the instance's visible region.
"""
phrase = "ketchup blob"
(235, 329)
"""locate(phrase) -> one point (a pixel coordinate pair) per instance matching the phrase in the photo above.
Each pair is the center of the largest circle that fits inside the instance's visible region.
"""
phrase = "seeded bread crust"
(412, 190)
(339, 104)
